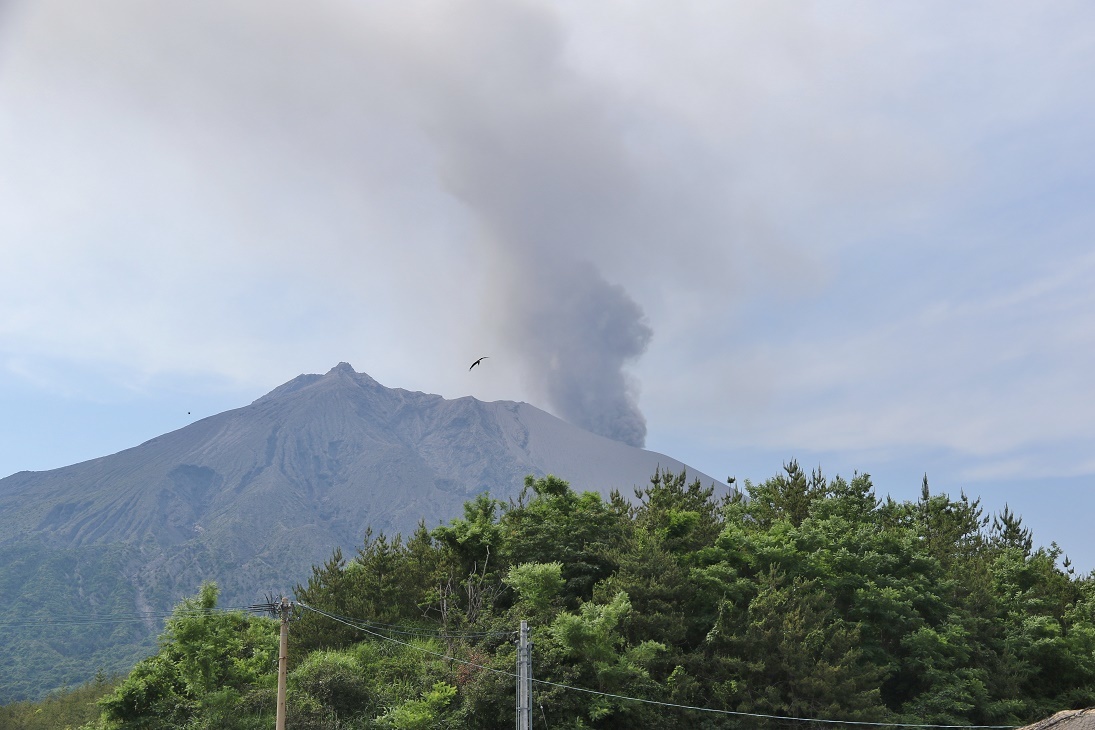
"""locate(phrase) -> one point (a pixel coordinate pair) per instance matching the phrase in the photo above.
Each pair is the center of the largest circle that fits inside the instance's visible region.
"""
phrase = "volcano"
(255, 496)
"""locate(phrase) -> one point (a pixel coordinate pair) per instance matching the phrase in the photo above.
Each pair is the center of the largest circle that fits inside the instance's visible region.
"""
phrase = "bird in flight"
(478, 361)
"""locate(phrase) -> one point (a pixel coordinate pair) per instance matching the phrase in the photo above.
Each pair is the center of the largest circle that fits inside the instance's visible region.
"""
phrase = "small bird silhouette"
(478, 361)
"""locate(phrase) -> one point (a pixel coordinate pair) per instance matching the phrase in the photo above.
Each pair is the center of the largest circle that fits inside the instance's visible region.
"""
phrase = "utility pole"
(524, 679)
(285, 609)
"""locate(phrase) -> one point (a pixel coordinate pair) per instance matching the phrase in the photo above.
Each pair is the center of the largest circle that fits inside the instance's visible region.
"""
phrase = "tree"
(684, 515)
(588, 648)
(472, 563)
(787, 496)
(386, 582)
(790, 653)
(580, 531)
(813, 598)
(425, 713)
(1008, 532)
(207, 662)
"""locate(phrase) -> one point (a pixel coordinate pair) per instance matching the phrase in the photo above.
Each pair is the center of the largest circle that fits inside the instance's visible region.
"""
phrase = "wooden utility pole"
(285, 609)
(524, 679)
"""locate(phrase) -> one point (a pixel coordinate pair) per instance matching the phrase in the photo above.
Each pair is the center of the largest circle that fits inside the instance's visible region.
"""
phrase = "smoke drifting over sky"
(529, 149)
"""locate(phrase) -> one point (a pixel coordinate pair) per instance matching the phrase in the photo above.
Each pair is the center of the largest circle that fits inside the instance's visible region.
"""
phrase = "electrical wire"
(404, 630)
(349, 622)
(352, 624)
(771, 717)
(117, 618)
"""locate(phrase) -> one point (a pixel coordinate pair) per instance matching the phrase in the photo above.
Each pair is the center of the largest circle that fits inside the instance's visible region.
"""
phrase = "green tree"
(1046, 630)
(69, 708)
(472, 564)
(787, 497)
(580, 531)
(811, 598)
(207, 662)
(791, 653)
(588, 648)
(684, 515)
(386, 582)
(425, 713)
(539, 586)
(336, 681)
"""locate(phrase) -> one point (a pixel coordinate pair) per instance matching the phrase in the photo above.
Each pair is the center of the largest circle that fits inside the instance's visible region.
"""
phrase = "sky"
(854, 234)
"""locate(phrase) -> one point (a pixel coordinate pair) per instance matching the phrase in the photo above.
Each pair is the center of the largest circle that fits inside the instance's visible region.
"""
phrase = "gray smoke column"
(531, 149)
(577, 332)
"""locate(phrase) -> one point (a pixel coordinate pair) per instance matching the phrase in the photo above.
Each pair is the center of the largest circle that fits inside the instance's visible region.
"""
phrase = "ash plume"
(541, 165)
(576, 333)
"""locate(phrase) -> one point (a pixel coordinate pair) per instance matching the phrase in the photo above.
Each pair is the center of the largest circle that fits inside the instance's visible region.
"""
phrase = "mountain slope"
(254, 496)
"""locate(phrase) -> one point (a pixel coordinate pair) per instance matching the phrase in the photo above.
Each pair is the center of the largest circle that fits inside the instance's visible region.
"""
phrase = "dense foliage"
(43, 587)
(62, 710)
(802, 596)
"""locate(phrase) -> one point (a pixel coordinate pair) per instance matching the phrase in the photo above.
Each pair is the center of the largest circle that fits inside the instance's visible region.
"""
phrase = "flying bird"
(478, 361)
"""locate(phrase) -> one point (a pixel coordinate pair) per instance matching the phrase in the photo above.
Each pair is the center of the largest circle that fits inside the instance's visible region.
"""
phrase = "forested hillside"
(805, 597)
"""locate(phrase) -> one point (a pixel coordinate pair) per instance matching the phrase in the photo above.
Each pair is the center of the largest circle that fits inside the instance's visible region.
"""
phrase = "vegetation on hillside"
(63, 710)
(51, 638)
(805, 597)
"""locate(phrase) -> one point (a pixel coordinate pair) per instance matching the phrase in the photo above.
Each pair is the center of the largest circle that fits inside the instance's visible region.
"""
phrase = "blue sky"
(851, 233)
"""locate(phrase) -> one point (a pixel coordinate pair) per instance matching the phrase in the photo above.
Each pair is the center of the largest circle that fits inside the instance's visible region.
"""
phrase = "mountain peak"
(342, 371)
(346, 370)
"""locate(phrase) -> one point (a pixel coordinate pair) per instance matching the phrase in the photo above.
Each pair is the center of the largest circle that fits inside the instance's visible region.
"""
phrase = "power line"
(409, 630)
(770, 717)
(352, 624)
(118, 618)
(395, 628)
